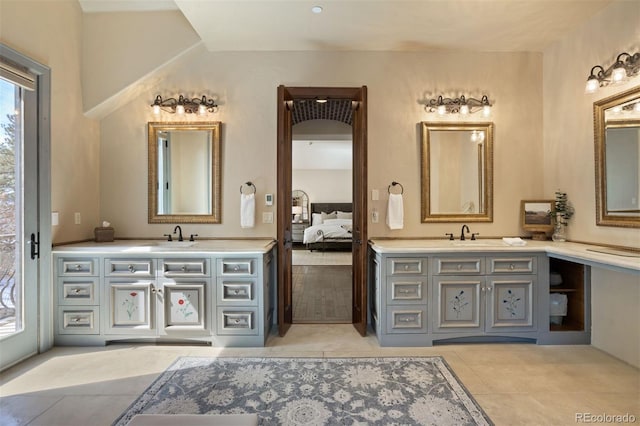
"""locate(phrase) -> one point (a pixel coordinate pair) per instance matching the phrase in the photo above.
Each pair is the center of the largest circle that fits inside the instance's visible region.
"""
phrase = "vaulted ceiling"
(380, 25)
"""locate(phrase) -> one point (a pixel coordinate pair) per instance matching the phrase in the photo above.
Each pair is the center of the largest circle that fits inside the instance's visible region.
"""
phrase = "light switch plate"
(55, 219)
(268, 199)
(375, 195)
(267, 217)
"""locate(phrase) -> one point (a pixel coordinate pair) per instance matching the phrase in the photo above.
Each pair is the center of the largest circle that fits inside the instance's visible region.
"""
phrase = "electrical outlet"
(374, 216)
(267, 217)
(55, 219)
(77, 218)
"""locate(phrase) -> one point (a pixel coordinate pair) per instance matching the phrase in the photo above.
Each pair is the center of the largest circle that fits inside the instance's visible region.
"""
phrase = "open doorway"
(351, 101)
(322, 215)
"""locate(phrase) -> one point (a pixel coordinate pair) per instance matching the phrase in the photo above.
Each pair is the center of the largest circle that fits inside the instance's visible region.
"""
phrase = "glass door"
(19, 207)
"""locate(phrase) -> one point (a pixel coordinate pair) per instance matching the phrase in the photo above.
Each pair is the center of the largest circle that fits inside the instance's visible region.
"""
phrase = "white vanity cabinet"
(77, 296)
(171, 302)
(224, 298)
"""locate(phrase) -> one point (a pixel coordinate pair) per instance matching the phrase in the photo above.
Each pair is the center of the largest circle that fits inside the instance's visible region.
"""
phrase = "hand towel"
(395, 212)
(247, 210)
(517, 241)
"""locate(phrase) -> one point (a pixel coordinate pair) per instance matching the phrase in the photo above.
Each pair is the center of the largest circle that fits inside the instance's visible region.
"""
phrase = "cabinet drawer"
(512, 265)
(232, 292)
(78, 291)
(173, 268)
(132, 267)
(77, 267)
(406, 266)
(236, 267)
(237, 322)
(406, 291)
(458, 266)
(406, 320)
(81, 320)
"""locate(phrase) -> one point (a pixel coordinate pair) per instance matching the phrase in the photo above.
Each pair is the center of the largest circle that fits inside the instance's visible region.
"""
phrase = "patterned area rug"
(309, 391)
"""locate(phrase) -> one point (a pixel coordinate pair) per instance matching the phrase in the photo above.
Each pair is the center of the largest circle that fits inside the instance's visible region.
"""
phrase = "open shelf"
(573, 276)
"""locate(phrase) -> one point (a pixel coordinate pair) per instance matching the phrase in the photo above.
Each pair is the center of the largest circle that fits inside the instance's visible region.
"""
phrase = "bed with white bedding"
(331, 225)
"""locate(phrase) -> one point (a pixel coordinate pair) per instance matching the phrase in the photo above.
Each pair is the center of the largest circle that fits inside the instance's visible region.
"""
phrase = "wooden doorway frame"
(358, 97)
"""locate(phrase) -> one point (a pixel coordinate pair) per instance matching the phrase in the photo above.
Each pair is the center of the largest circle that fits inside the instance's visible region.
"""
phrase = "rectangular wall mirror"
(457, 172)
(184, 172)
(617, 159)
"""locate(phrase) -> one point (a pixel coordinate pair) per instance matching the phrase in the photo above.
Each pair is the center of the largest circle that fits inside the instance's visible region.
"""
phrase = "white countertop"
(580, 253)
(174, 247)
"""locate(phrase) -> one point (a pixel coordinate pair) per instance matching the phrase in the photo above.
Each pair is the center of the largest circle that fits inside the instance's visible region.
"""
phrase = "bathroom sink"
(160, 246)
(478, 243)
(174, 244)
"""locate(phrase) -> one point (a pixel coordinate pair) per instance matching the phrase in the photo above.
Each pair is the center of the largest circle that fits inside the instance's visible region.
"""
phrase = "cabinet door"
(130, 308)
(510, 303)
(458, 306)
(182, 305)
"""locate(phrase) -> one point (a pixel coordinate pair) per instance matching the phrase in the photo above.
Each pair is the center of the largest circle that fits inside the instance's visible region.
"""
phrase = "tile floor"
(516, 384)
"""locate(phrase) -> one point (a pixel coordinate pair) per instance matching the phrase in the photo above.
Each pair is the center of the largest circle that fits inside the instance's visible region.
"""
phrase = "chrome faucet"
(462, 238)
(177, 228)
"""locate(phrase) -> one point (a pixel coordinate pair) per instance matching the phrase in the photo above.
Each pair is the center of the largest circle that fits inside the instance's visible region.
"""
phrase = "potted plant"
(563, 210)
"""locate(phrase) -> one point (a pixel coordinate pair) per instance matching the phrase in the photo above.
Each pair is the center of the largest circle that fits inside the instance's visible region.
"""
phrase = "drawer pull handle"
(183, 268)
(236, 268)
(76, 291)
(512, 266)
(78, 267)
(131, 268)
(406, 267)
(459, 266)
(411, 319)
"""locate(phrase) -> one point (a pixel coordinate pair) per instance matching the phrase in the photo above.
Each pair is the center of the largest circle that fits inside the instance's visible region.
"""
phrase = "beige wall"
(568, 115)
(50, 33)
(246, 82)
(119, 48)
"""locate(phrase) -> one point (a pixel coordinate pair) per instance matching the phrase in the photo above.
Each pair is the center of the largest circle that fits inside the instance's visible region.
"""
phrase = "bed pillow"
(340, 222)
(345, 215)
(316, 219)
(325, 216)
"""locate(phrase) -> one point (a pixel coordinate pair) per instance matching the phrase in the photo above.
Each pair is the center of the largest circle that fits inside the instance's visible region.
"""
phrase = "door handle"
(35, 252)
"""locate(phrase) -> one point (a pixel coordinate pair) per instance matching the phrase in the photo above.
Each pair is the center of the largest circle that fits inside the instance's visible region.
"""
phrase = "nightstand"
(297, 231)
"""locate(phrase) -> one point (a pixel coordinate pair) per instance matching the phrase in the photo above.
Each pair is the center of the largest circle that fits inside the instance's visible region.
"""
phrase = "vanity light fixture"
(625, 67)
(183, 105)
(461, 105)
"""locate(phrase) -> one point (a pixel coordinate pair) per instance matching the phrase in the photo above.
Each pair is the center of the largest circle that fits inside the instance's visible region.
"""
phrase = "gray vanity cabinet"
(400, 301)
(421, 298)
(491, 298)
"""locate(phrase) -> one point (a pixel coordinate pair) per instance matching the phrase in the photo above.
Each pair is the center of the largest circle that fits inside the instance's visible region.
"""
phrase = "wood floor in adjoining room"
(322, 294)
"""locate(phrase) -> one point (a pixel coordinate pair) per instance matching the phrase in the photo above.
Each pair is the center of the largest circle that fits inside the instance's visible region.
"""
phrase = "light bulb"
(442, 110)
(464, 109)
(486, 110)
(592, 85)
(618, 74)
(202, 109)
(180, 109)
(636, 108)
(156, 109)
(616, 109)
(474, 136)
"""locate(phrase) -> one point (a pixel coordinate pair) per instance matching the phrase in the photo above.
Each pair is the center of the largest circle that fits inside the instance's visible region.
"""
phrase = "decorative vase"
(559, 231)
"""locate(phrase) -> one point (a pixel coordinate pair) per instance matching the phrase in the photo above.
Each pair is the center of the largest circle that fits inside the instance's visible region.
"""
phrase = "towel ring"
(250, 185)
(394, 183)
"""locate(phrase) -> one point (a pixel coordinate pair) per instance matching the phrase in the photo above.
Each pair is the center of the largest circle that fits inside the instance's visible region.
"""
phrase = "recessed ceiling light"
(316, 9)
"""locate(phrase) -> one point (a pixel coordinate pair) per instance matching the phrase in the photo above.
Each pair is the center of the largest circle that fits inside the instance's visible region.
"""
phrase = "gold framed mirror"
(184, 172)
(457, 172)
(617, 156)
